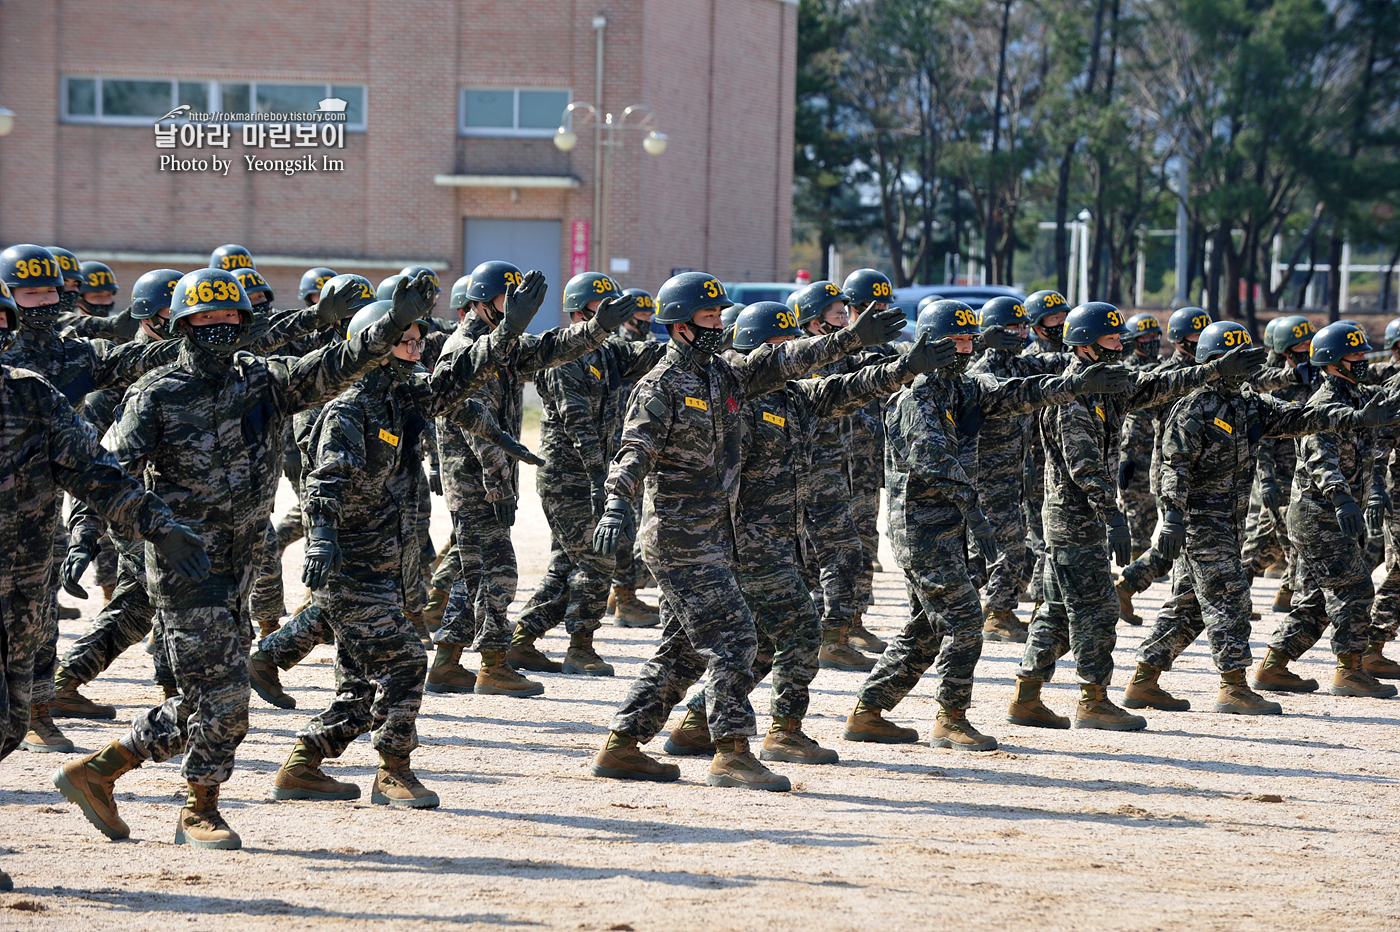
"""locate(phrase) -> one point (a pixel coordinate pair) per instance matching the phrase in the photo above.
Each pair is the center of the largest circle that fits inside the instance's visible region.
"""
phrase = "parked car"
(753, 292)
(907, 299)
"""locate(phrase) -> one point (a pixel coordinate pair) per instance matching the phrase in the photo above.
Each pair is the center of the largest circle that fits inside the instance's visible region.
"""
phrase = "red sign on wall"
(578, 247)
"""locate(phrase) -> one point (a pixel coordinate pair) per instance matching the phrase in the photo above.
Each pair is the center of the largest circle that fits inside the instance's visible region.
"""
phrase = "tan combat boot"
(301, 778)
(396, 785)
(72, 704)
(1273, 675)
(1001, 625)
(524, 655)
(447, 675)
(107, 591)
(630, 611)
(786, 742)
(1351, 679)
(266, 681)
(1125, 602)
(866, 723)
(861, 638)
(1027, 708)
(497, 678)
(953, 730)
(43, 736)
(691, 738)
(1144, 693)
(1097, 711)
(621, 759)
(1283, 599)
(1378, 664)
(582, 658)
(432, 612)
(836, 654)
(735, 765)
(67, 612)
(90, 783)
(1236, 698)
(170, 692)
(267, 626)
(201, 824)
(420, 627)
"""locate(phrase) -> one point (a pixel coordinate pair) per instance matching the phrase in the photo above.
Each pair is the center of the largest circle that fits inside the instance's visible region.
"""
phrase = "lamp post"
(565, 138)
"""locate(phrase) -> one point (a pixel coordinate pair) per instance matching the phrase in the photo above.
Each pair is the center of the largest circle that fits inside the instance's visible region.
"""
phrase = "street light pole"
(600, 24)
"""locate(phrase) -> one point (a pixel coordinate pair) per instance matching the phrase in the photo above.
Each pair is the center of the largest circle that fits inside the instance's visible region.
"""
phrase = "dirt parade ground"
(1204, 821)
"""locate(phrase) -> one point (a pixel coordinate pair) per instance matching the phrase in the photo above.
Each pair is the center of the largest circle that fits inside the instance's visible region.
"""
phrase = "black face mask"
(491, 317)
(40, 319)
(1232, 384)
(1050, 338)
(706, 341)
(94, 310)
(262, 307)
(67, 300)
(161, 326)
(1298, 356)
(960, 364)
(827, 327)
(219, 339)
(401, 369)
(1357, 370)
(1150, 348)
(1109, 356)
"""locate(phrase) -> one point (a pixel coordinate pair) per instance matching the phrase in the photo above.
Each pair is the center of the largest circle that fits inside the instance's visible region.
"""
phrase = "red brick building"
(448, 149)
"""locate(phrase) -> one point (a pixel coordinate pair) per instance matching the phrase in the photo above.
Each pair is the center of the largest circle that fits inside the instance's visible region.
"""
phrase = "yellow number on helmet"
(1020, 310)
(1200, 321)
(1114, 319)
(831, 289)
(1053, 299)
(712, 288)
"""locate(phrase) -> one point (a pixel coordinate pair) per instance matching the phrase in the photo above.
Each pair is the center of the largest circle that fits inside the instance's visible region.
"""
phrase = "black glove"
(614, 526)
(516, 450)
(613, 311)
(1000, 338)
(183, 550)
(335, 306)
(505, 512)
(598, 495)
(435, 478)
(983, 534)
(1120, 542)
(82, 550)
(1377, 507)
(124, 326)
(1348, 514)
(926, 356)
(1099, 379)
(412, 299)
(876, 327)
(322, 555)
(1126, 470)
(1270, 494)
(1172, 535)
(1240, 361)
(522, 303)
(1379, 410)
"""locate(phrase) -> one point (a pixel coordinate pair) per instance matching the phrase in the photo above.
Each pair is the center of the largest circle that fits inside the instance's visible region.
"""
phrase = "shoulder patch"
(656, 408)
(1192, 423)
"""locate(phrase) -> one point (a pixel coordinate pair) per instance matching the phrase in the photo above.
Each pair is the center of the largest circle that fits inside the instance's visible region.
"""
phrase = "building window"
(139, 101)
(511, 111)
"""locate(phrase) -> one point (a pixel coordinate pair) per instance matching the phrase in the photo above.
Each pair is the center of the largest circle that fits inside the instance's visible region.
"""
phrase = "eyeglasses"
(412, 345)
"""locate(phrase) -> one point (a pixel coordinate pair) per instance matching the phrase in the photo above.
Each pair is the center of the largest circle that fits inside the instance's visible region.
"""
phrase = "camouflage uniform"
(1139, 502)
(683, 441)
(1080, 611)
(1385, 610)
(1266, 541)
(930, 494)
(1034, 484)
(626, 574)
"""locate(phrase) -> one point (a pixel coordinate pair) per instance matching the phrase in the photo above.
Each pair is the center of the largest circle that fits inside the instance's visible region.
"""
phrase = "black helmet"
(1003, 311)
(7, 303)
(1186, 321)
(1392, 334)
(1086, 323)
(97, 276)
(231, 257)
(867, 286)
(30, 266)
(1144, 325)
(1219, 338)
(68, 264)
(152, 292)
(385, 291)
(372, 312)
(1269, 329)
(412, 271)
(1042, 304)
(947, 319)
(358, 299)
(208, 290)
(646, 302)
(760, 321)
(687, 293)
(925, 301)
(312, 280)
(1290, 331)
(488, 280)
(811, 302)
(585, 287)
(459, 299)
(1334, 341)
(731, 314)
(253, 282)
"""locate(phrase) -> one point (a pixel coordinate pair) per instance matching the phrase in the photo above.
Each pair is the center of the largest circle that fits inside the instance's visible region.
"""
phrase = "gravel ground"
(1202, 822)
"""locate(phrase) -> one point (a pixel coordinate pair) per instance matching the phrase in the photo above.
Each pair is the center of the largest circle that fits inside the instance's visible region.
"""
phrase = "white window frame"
(512, 132)
(214, 90)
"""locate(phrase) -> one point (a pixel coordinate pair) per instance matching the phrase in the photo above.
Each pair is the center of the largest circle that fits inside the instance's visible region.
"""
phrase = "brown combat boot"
(836, 654)
(1283, 599)
(420, 627)
(267, 626)
(1351, 679)
(1236, 698)
(301, 778)
(432, 612)
(266, 681)
(397, 786)
(447, 675)
(170, 692)
(691, 738)
(861, 638)
(866, 723)
(90, 783)
(1144, 693)
(953, 730)
(621, 759)
(524, 655)
(630, 611)
(1378, 664)
(1097, 711)
(786, 742)
(1275, 570)
(582, 658)
(201, 824)
(1002, 625)
(1125, 602)
(497, 678)
(68, 612)
(1027, 708)
(735, 765)
(1273, 675)
(72, 704)
(107, 591)
(43, 736)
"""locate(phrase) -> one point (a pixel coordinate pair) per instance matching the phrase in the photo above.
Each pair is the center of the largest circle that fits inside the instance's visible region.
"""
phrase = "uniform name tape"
(696, 403)
(774, 419)
(1223, 426)
(388, 438)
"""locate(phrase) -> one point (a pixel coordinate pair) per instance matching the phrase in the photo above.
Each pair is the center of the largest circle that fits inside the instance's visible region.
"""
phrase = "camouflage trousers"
(1385, 610)
(865, 512)
(789, 637)
(833, 562)
(25, 627)
(487, 568)
(705, 626)
(289, 644)
(1140, 573)
(449, 564)
(1035, 532)
(1333, 586)
(415, 595)
(268, 602)
(1265, 539)
(1000, 497)
(123, 622)
(628, 571)
(42, 690)
(105, 566)
(207, 649)
(1079, 614)
(1140, 508)
(1210, 593)
(585, 574)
